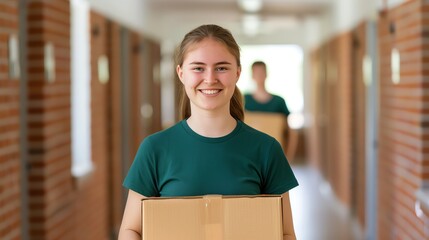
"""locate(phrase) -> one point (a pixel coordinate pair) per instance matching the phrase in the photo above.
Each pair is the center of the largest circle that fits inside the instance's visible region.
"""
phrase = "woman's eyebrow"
(223, 63)
(202, 63)
(197, 63)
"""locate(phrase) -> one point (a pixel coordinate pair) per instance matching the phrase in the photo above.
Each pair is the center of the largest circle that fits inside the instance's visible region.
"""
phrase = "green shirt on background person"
(275, 105)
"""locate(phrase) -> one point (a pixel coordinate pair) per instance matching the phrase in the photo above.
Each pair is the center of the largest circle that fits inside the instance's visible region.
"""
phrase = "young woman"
(211, 151)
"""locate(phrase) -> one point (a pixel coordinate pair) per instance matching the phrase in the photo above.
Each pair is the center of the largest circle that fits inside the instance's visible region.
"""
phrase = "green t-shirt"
(179, 162)
(275, 105)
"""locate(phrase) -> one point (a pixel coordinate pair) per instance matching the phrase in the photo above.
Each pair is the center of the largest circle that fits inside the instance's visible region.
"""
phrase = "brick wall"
(10, 187)
(402, 124)
(61, 206)
(425, 99)
(50, 181)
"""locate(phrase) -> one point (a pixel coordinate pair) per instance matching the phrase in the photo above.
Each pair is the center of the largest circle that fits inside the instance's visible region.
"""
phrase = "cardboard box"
(272, 124)
(213, 217)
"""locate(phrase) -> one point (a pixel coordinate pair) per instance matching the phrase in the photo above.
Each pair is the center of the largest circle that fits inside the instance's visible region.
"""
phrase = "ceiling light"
(250, 5)
(251, 24)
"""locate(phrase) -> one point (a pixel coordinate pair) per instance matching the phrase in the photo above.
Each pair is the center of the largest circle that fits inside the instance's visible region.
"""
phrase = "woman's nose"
(210, 77)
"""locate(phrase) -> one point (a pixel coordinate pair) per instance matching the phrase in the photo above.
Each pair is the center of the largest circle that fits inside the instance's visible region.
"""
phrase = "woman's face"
(209, 74)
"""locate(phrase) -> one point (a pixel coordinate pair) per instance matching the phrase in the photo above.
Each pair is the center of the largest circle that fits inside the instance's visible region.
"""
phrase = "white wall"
(342, 16)
(134, 14)
(80, 89)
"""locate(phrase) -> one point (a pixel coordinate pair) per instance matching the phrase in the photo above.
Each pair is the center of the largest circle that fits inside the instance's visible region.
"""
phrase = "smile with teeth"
(210, 91)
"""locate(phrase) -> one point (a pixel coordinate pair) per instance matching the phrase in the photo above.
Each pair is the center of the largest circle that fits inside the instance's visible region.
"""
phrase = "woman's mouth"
(210, 91)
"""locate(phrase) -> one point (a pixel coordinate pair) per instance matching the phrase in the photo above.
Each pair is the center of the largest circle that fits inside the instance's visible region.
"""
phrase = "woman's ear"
(238, 73)
(179, 72)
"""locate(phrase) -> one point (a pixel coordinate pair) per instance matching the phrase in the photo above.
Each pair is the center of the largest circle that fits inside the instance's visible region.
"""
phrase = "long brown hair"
(195, 36)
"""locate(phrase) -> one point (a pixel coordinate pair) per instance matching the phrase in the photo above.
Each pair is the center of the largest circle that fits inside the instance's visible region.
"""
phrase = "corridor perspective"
(84, 82)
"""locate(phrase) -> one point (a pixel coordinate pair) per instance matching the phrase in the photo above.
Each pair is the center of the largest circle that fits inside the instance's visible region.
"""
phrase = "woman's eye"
(198, 69)
(221, 69)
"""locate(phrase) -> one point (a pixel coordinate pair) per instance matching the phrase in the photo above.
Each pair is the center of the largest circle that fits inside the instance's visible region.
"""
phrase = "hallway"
(83, 82)
(317, 214)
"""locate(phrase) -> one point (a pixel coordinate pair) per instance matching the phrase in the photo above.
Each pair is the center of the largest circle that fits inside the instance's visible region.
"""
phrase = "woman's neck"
(209, 125)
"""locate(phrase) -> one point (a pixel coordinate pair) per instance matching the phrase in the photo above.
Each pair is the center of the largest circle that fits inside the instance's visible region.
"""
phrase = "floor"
(317, 214)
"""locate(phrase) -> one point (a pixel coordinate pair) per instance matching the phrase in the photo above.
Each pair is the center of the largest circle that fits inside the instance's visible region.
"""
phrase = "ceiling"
(277, 20)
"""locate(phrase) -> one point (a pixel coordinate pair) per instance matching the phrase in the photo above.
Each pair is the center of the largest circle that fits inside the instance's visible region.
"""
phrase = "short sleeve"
(142, 177)
(285, 109)
(278, 175)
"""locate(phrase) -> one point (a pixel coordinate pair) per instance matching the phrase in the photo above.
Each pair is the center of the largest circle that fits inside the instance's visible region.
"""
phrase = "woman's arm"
(288, 230)
(131, 222)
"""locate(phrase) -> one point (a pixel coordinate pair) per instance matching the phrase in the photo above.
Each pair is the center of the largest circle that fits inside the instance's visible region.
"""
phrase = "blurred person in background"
(261, 100)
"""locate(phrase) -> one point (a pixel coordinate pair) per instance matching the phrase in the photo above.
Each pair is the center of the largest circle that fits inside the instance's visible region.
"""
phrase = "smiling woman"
(211, 150)
(228, 47)
(209, 74)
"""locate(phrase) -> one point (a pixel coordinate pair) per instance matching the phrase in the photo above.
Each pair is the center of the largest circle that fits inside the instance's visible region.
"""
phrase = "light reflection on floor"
(317, 214)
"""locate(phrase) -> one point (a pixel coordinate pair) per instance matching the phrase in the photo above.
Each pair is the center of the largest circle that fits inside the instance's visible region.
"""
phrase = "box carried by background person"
(213, 217)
